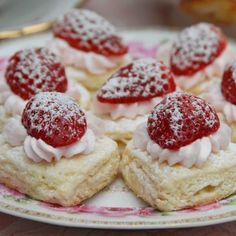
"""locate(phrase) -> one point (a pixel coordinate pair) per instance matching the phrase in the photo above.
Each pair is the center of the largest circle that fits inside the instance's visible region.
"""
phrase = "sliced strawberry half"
(35, 70)
(180, 119)
(55, 118)
(141, 80)
(87, 31)
(228, 84)
(195, 48)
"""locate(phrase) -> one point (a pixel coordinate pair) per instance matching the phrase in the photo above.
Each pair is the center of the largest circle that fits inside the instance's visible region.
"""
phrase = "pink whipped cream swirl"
(91, 62)
(194, 154)
(130, 111)
(14, 104)
(37, 150)
(213, 95)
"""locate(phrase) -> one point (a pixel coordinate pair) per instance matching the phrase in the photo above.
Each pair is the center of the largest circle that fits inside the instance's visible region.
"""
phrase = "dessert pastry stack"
(89, 46)
(30, 71)
(127, 97)
(61, 140)
(57, 158)
(181, 156)
(222, 95)
(197, 56)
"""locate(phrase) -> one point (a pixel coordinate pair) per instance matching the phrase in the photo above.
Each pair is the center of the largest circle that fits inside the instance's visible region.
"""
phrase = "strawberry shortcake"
(129, 95)
(51, 154)
(31, 71)
(181, 156)
(222, 95)
(89, 46)
(197, 56)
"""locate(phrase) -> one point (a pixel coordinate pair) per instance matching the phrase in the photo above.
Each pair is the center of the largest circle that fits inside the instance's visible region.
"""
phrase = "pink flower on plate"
(104, 211)
(138, 49)
(3, 62)
(5, 191)
(207, 207)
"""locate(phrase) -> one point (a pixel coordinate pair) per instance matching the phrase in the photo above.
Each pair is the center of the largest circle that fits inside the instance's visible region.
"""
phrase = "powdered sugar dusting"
(86, 30)
(196, 46)
(180, 119)
(33, 70)
(142, 79)
(52, 113)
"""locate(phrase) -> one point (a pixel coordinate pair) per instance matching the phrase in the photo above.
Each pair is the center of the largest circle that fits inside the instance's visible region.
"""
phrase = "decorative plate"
(115, 207)
(31, 16)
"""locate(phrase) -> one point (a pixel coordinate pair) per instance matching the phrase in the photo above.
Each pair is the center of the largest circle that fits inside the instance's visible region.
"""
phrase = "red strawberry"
(180, 119)
(228, 84)
(195, 48)
(87, 31)
(35, 70)
(55, 118)
(141, 80)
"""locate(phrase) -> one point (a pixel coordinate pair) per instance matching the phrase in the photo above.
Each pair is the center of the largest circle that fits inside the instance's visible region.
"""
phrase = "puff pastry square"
(170, 188)
(66, 182)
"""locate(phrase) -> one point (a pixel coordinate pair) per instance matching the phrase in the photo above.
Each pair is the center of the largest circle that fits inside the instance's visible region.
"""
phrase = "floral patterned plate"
(115, 207)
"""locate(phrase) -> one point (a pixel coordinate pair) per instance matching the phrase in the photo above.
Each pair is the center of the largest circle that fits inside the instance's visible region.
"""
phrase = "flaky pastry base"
(171, 188)
(67, 182)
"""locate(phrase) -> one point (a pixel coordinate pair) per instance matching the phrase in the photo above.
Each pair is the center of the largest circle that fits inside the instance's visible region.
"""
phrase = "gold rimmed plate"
(19, 18)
